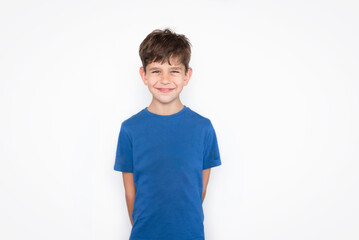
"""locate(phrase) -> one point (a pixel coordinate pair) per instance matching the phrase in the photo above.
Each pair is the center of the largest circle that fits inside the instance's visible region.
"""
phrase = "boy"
(166, 150)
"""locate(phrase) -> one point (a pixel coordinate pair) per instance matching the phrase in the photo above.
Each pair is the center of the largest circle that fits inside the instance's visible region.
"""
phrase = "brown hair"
(161, 45)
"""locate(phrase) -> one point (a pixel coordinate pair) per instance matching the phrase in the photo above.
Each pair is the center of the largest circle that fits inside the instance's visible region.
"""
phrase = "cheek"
(151, 82)
(179, 81)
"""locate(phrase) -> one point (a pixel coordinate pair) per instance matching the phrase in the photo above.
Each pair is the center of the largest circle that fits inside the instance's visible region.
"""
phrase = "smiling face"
(165, 81)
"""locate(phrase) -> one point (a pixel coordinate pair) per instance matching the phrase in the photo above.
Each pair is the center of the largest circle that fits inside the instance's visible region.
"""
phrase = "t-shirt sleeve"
(211, 156)
(124, 156)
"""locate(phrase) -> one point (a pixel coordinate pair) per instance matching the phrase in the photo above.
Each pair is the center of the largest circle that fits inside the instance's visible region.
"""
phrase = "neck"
(165, 109)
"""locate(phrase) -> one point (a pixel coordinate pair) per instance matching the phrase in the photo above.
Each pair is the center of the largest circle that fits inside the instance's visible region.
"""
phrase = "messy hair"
(163, 45)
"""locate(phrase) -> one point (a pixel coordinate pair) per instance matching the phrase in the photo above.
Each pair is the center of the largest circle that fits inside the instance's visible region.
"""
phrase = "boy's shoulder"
(133, 120)
(199, 117)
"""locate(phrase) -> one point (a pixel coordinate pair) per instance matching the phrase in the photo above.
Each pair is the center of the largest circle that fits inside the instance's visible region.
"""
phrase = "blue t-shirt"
(166, 154)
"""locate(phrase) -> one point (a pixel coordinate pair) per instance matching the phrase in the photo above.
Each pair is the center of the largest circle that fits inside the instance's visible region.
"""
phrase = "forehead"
(175, 63)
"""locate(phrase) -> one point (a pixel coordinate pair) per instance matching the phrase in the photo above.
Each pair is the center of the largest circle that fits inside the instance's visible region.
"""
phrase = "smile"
(165, 90)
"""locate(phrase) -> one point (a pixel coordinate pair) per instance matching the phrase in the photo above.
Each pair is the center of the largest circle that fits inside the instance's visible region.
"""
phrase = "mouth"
(165, 90)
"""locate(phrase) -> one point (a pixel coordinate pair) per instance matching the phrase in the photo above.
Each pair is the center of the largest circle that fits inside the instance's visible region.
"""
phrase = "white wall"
(278, 79)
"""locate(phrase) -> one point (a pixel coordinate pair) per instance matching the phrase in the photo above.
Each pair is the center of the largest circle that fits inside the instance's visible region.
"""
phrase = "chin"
(165, 100)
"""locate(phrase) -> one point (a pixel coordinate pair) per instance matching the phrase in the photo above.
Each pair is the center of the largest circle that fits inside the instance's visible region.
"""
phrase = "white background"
(278, 79)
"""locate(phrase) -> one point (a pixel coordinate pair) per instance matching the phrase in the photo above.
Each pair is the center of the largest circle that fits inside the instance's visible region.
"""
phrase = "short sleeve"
(211, 156)
(124, 156)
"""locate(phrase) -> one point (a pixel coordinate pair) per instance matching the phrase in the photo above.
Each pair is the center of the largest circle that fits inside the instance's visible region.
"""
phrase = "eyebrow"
(171, 68)
(152, 68)
(176, 68)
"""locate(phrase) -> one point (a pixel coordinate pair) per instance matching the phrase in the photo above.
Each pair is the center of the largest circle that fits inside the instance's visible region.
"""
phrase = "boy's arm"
(130, 190)
(205, 174)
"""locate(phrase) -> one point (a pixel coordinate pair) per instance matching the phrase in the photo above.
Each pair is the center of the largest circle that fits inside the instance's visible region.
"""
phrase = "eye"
(175, 71)
(155, 71)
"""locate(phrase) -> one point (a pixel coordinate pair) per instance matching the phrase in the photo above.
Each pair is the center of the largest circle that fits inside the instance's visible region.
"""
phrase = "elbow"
(130, 194)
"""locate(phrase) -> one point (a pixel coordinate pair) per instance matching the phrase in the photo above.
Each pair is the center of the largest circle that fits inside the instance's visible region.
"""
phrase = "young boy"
(166, 150)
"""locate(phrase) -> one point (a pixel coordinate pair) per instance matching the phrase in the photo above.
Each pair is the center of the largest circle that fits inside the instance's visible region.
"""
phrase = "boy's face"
(165, 81)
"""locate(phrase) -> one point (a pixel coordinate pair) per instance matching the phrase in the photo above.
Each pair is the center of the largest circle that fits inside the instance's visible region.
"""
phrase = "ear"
(143, 75)
(188, 76)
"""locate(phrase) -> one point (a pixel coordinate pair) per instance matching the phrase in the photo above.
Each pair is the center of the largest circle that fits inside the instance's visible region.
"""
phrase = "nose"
(165, 78)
